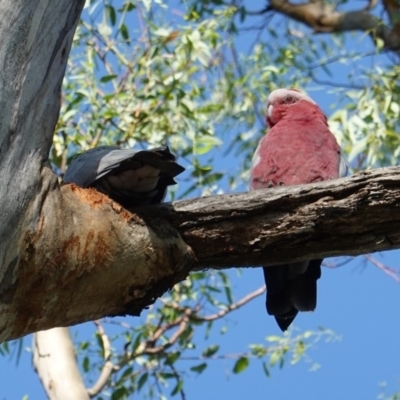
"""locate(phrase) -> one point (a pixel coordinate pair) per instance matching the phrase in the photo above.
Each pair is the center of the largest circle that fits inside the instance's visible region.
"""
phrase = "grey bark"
(348, 216)
(69, 255)
(45, 245)
(106, 261)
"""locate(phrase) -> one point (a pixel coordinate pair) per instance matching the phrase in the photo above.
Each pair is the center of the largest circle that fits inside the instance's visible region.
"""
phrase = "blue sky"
(357, 301)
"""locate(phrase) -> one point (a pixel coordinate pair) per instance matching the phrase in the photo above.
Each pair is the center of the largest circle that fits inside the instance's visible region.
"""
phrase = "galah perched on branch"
(130, 177)
(299, 148)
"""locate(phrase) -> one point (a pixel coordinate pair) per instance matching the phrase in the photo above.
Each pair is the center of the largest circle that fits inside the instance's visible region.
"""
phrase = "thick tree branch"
(69, 255)
(323, 17)
(348, 216)
(88, 256)
(55, 362)
(92, 258)
(392, 8)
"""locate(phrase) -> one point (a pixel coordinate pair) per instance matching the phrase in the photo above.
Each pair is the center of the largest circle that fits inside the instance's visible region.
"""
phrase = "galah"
(299, 148)
(130, 177)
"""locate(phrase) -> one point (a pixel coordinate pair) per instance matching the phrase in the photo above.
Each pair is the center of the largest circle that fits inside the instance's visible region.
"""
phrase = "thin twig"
(335, 84)
(234, 306)
(221, 313)
(393, 273)
(108, 367)
(177, 334)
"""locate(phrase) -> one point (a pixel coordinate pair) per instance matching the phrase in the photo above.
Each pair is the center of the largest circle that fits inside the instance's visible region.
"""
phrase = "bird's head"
(280, 100)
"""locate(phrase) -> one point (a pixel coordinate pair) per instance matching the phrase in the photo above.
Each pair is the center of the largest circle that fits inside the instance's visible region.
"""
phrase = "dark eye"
(289, 99)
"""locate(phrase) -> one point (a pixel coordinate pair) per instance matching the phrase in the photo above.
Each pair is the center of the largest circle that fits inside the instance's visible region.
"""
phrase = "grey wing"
(98, 162)
(160, 158)
(95, 163)
(343, 166)
(131, 177)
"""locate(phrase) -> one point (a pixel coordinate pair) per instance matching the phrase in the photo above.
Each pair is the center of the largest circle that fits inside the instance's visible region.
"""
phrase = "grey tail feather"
(161, 158)
(288, 293)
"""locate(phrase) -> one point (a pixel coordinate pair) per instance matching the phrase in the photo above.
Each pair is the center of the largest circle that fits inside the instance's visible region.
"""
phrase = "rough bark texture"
(348, 216)
(101, 260)
(88, 256)
(35, 39)
(53, 242)
(323, 17)
(69, 255)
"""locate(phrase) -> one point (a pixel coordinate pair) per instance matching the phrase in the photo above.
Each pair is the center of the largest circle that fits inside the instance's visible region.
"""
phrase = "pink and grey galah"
(299, 148)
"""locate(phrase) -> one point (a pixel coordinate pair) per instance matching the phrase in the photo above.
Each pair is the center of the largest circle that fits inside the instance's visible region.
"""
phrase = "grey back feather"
(95, 163)
(88, 169)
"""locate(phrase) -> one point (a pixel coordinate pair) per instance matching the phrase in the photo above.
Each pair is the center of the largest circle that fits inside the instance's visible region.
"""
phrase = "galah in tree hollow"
(299, 148)
(130, 177)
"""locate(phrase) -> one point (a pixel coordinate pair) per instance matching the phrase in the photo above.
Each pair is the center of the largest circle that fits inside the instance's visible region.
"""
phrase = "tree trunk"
(51, 248)
(69, 255)
(55, 362)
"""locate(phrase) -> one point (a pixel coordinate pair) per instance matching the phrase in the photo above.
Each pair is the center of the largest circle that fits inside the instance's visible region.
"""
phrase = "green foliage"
(368, 127)
(383, 394)
(140, 75)
(150, 85)
(156, 357)
(4, 348)
(13, 349)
